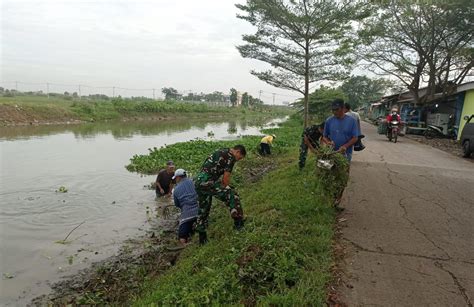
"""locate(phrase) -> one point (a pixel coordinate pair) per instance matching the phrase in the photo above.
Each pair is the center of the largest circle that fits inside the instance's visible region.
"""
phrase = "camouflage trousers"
(303, 154)
(205, 191)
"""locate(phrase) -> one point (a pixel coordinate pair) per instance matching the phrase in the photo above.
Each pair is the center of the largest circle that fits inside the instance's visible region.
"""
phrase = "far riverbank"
(33, 110)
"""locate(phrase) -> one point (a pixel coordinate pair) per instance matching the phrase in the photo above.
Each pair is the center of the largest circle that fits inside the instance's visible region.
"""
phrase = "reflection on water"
(120, 130)
(89, 161)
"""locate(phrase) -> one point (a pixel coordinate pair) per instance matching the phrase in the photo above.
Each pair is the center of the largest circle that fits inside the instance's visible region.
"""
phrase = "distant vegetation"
(20, 108)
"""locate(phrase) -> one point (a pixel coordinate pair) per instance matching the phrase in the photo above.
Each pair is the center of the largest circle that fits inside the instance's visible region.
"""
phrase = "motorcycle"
(433, 131)
(393, 131)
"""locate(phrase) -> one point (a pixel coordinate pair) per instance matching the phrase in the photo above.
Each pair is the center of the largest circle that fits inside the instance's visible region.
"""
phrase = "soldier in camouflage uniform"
(309, 140)
(207, 184)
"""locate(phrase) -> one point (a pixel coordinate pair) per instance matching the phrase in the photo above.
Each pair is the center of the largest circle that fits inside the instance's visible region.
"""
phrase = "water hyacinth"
(190, 155)
(336, 177)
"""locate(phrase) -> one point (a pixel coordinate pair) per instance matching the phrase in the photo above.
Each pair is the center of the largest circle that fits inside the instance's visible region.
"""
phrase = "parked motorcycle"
(433, 131)
(393, 130)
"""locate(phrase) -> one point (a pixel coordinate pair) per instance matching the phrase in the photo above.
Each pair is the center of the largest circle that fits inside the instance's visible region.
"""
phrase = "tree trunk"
(306, 85)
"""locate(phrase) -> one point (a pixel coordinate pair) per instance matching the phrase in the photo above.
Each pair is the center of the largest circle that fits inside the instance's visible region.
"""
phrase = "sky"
(186, 44)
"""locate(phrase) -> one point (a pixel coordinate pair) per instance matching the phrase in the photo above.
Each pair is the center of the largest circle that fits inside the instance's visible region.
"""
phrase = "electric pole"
(79, 91)
(16, 86)
(259, 94)
(273, 98)
(153, 94)
(47, 89)
(113, 92)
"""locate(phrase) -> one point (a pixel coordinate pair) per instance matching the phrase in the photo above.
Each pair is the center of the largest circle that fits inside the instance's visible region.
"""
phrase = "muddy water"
(110, 202)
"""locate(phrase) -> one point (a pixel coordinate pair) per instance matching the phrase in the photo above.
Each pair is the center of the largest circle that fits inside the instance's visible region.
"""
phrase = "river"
(88, 160)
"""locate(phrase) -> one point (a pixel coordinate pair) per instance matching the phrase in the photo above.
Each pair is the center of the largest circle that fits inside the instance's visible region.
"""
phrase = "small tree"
(361, 89)
(320, 101)
(233, 97)
(304, 41)
(245, 99)
(170, 93)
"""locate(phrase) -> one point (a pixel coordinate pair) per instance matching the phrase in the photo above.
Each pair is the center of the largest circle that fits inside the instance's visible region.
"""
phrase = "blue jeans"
(348, 156)
(186, 229)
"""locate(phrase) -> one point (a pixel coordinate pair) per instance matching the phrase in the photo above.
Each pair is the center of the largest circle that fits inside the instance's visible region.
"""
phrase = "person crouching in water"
(265, 144)
(310, 140)
(208, 183)
(164, 181)
(186, 199)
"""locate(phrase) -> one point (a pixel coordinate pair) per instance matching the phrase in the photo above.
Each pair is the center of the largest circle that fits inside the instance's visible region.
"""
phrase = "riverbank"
(283, 256)
(33, 110)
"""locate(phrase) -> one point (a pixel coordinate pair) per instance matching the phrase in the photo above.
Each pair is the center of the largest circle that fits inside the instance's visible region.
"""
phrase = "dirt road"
(408, 227)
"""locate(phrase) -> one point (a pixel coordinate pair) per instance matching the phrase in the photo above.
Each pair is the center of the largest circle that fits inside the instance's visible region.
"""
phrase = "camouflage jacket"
(216, 164)
(313, 134)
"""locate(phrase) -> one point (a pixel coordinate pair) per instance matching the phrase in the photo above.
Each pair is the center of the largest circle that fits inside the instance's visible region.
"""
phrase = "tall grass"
(95, 110)
(282, 257)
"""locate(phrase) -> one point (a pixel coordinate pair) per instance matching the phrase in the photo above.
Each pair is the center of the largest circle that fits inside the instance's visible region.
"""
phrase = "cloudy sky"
(186, 44)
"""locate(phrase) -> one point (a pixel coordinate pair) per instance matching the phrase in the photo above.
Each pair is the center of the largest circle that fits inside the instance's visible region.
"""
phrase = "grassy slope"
(282, 257)
(35, 108)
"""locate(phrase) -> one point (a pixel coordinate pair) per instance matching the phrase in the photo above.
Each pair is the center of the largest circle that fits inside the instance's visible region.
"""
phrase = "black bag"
(358, 146)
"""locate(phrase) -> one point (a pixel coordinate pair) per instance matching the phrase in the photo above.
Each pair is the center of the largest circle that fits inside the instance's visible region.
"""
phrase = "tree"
(170, 93)
(245, 99)
(420, 43)
(304, 41)
(215, 96)
(320, 101)
(361, 89)
(233, 97)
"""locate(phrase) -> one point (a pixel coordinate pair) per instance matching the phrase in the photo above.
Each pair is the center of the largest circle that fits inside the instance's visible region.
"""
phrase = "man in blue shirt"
(186, 199)
(340, 130)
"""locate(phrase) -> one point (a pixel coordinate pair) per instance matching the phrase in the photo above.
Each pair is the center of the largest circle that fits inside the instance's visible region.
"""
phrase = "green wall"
(468, 109)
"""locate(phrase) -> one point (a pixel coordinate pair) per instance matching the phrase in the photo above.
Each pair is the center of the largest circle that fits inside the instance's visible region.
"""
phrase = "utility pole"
(260, 94)
(47, 89)
(113, 92)
(79, 88)
(16, 86)
(153, 94)
(273, 98)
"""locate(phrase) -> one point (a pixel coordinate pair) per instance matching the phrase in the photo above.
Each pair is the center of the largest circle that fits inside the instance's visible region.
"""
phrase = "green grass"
(282, 257)
(66, 108)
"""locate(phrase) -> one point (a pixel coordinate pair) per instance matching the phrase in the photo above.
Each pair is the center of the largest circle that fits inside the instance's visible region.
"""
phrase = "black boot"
(238, 224)
(202, 238)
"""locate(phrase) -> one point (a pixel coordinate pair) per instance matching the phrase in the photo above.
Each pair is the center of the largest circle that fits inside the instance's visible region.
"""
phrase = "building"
(446, 111)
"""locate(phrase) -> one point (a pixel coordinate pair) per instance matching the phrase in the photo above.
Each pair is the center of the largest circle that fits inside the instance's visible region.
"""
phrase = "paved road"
(409, 233)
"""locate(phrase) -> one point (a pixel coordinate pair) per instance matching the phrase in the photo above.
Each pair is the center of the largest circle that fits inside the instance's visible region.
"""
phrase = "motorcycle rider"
(394, 116)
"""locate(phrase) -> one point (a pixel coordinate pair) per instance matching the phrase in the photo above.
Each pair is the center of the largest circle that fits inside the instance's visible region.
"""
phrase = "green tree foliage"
(320, 101)
(304, 41)
(170, 93)
(215, 96)
(245, 99)
(233, 97)
(422, 42)
(361, 89)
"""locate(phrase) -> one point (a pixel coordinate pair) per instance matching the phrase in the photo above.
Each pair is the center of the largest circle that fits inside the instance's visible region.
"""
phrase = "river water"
(111, 203)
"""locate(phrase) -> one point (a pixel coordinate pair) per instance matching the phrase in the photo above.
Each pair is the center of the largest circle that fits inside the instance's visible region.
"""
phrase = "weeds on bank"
(335, 179)
(56, 108)
(282, 257)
